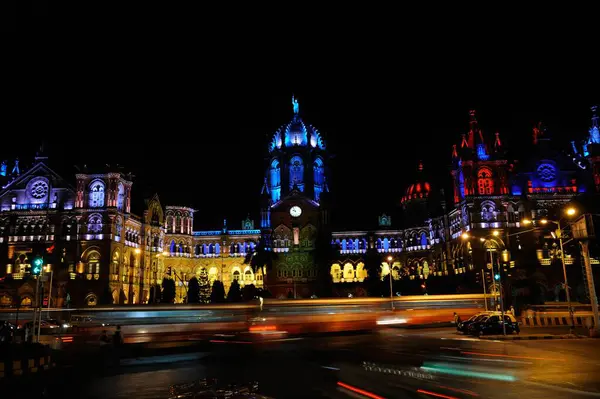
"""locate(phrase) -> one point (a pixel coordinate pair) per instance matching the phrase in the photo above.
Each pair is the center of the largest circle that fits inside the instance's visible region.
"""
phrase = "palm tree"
(261, 258)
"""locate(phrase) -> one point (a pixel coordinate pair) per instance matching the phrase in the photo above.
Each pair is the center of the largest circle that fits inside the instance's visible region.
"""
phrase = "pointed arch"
(97, 192)
(297, 172)
(485, 183)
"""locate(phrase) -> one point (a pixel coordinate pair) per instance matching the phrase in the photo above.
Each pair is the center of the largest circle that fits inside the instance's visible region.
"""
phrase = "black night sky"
(196, 130)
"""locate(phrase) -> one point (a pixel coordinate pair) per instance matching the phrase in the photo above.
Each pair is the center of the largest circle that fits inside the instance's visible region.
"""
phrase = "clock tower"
(292, 212)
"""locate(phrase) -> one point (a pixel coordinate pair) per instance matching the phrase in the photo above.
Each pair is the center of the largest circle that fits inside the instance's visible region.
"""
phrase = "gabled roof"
(39, 169)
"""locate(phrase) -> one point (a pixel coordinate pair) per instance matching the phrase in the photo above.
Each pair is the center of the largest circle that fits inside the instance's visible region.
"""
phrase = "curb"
(24, 366)
(530, 337)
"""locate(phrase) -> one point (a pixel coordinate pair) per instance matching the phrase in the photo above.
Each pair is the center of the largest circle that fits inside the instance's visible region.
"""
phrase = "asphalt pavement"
(391, 363)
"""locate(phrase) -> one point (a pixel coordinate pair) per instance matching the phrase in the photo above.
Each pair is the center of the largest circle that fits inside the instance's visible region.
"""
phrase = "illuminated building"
(102, 253)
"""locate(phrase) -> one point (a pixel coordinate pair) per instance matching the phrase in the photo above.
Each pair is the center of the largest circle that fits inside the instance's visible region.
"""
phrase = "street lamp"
(497, 276)
(559, 234)
(390, 259)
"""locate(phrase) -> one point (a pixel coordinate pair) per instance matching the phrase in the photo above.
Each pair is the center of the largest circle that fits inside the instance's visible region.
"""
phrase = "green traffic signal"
(38, 263)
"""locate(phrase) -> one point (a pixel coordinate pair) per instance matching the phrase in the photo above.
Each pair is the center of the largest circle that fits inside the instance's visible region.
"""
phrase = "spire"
(497, 142)
(454, 152)
(472, 129)
(463, 142)
(295, 105)
(540, 133)
(265, 188)
(594, 129)
(420, 167)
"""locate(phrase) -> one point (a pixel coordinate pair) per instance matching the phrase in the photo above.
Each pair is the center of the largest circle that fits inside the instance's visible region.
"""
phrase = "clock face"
(295, 211)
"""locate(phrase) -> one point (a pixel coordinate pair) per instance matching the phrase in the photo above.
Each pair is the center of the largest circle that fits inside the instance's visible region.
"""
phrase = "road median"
(530, 337)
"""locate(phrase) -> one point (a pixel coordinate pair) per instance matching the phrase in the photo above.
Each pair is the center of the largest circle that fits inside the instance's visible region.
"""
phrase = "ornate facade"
(99, 252)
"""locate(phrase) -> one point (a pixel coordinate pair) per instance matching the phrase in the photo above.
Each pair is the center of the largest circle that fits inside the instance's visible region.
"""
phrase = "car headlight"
(66, 325)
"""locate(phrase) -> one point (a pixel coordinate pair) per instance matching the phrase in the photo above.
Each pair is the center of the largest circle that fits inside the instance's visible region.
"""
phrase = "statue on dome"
(295, 105)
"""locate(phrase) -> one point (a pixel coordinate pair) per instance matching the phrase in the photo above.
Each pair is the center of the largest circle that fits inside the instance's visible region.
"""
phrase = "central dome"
(296, 133)
(419, 189)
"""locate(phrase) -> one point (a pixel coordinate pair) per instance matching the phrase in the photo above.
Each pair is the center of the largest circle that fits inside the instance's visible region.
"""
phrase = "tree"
(261, 257)
(325, 254)
(218, 292)
(193, 294)
(106, 297)
(373, 261)
(168, 290)
(249, 292)
(204, 292)
(235, 294)
(154, 294)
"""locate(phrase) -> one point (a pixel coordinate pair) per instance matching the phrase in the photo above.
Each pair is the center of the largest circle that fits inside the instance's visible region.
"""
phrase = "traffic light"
(488, 277)
(37, 265)
(497, 276)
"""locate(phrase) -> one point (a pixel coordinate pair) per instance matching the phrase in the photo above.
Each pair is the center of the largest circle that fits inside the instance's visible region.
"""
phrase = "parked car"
(463, 326)
(492, 325)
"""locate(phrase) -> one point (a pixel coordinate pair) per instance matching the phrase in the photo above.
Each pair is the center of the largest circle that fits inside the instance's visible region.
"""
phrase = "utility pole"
(484, 290)
(499, 289)
(562, 259)
(591, 287)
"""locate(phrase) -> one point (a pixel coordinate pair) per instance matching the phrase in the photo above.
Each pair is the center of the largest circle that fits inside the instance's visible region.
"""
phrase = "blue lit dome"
(296, 133)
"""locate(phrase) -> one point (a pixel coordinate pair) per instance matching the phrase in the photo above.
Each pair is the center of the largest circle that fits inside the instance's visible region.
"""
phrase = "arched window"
(211, 249)
(297, 173)
(236, 275)
(95, 224)
(423, 239)
(378, 243)
(350, 245)
(173, 247)
(318, 172)
(275, 182)
(319, 177)
(248, 276)
(178, 224)
(180, 247)
(488, 211)
(93, 261)
(197, 250)
(485, 183)
(169, 224)
(118, 227)
(344, 245)
(97, 194)
(386, 244)
(120, 197)
(115, 262)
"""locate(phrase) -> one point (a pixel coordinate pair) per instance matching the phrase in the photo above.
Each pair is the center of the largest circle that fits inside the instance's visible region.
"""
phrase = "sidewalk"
(542, 333)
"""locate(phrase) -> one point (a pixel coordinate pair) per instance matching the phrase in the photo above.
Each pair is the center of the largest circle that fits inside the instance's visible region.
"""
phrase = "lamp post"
(390, 260)
(559, 234)
(466, 236)
(486, 242)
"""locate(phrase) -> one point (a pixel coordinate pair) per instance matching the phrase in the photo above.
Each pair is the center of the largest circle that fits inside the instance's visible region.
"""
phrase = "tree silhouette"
(204, 291)
(106, 297)
(168, 290)
(218, 292)
(373, 267)
(249, 292)
(235, 294)
(193, 291)
(261, 257)
(154, 294)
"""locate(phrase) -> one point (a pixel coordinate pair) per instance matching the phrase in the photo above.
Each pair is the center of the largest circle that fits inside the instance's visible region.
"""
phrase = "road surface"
(390, 363)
